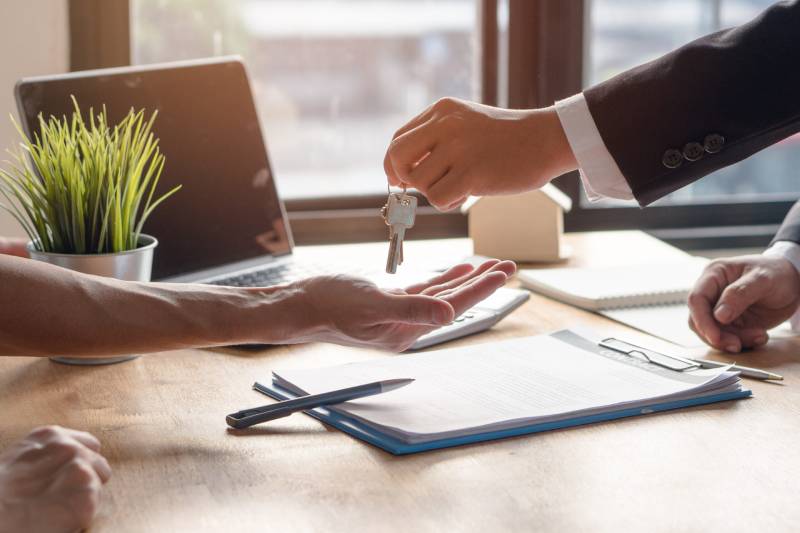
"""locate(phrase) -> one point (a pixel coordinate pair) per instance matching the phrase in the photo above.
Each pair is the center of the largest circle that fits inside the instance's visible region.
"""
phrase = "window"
(739, 206)
(626, 33)
(332, 79)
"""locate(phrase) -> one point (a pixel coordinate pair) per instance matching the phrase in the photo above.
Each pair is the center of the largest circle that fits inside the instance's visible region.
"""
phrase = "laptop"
(227, 225)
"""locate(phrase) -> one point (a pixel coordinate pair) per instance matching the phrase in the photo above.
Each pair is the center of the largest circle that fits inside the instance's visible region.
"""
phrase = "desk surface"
(732, 466)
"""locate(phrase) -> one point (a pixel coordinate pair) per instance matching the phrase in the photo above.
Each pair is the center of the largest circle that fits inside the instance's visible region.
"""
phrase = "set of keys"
(398, 213)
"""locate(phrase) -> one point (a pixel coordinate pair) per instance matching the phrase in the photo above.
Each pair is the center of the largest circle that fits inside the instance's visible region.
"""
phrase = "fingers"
(87, 439)
(740, 295)
(701, 301)
(467, 296)
(76, 475)
(414, 122)
(452, 273)
(415, 309)
(430, 170)
(750, 337)
(447, 192)
(506, 267)
(717, 338)
(730, 304)
(456, 204)
(703, 298)
(509, 268)
(54, 446)
(409, 149)
(78, 484)
(391, 176)
(50, 433)
(425, 116)
(457, 290)
(435, 289)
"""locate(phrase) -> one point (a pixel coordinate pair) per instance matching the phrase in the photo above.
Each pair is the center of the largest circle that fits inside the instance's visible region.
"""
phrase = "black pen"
(256, 415)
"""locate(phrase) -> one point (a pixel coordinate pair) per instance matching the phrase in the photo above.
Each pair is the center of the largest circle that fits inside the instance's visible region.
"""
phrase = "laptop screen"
(228, 209)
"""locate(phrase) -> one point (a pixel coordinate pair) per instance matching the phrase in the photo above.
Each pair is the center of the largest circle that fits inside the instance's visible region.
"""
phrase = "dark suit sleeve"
(707, 105)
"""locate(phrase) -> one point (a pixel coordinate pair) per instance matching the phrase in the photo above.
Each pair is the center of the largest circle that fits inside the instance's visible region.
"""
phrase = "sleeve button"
(693, 151)
(672, 158)
(713, 143)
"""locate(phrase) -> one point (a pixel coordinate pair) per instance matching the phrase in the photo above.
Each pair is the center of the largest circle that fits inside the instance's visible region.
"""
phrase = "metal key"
(398, 213)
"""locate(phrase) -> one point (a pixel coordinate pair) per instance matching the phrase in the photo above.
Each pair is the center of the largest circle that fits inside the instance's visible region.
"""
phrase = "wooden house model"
(525, 227)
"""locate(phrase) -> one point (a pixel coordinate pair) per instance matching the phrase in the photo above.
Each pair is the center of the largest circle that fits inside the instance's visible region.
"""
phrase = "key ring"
(389, 189)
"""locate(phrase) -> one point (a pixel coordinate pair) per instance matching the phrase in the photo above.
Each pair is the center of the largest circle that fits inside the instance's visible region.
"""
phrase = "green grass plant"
(85, 187)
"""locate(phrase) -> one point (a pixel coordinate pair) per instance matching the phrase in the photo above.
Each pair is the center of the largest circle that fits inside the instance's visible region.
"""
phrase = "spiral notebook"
(649, 297)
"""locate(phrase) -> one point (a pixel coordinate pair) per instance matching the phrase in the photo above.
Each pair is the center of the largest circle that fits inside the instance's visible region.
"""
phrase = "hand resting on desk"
(50, 481)
(735, 301)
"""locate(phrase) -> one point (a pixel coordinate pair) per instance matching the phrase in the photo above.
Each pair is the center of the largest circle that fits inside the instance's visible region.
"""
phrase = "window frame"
(542, 36)
(559, 48)
(100, 35)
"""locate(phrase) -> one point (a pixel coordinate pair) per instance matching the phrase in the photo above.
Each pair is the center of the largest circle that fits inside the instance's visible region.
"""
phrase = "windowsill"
(364, 225)
(729, 238)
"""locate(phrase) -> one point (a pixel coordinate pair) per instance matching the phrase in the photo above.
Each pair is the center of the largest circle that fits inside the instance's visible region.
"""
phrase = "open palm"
(359, 313)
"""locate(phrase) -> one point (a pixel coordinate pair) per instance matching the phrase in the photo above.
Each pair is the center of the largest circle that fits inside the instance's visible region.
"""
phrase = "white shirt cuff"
(791, 252)
(599, 172)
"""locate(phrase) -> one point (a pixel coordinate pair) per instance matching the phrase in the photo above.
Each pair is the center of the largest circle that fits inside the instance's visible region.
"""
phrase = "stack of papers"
(501, 389)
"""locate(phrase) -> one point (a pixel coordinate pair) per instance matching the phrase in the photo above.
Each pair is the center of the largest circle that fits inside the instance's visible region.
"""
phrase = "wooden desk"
(728, 467)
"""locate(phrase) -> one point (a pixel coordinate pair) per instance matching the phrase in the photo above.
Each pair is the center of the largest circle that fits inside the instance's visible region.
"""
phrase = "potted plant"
(82, 190)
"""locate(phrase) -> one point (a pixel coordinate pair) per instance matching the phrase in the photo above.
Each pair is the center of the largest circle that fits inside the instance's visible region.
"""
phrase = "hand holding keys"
(398, 213)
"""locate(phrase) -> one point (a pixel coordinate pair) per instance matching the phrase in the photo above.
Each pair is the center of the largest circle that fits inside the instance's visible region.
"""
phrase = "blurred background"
(333, 79)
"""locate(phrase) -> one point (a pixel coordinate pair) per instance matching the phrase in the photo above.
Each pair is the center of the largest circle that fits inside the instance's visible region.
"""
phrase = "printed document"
(503, 385)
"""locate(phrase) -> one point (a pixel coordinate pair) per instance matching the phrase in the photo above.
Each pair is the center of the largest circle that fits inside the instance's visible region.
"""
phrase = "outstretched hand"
(736, 301)
(356, 312)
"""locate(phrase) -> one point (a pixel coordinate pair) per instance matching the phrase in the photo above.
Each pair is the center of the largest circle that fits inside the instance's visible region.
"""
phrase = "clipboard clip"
(672, 362)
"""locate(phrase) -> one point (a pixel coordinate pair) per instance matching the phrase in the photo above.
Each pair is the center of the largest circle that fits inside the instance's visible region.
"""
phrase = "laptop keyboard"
(267, 277)
(278, 274)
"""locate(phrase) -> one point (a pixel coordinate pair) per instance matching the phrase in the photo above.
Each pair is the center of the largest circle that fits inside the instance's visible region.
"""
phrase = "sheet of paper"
(668, 322)
(671, 323)
(483, 385)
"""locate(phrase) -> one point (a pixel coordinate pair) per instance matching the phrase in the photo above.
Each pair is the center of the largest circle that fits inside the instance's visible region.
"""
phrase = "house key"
(398, 213)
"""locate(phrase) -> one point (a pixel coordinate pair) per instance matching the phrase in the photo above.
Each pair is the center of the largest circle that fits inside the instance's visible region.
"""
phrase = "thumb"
(740, 295)
(417, 309)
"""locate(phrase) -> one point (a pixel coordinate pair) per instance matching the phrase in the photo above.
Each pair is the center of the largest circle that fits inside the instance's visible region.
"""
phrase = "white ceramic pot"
(133, 265)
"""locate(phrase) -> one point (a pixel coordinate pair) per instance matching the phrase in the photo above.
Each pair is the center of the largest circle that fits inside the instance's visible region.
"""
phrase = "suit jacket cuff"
(791, 252)
(790, 228)
(599, 172)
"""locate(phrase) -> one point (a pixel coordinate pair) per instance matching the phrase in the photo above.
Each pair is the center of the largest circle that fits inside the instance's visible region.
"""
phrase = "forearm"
(46, 310)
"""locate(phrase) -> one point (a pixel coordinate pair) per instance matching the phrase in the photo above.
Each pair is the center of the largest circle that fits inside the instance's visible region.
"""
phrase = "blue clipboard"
(394, 446)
